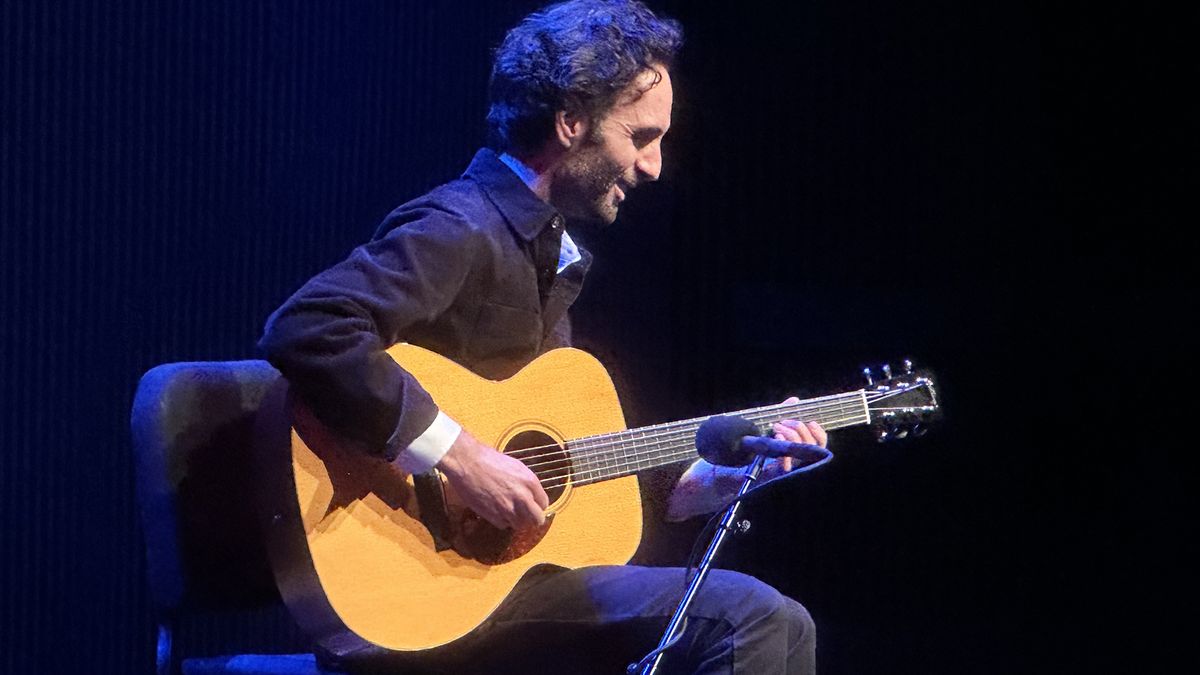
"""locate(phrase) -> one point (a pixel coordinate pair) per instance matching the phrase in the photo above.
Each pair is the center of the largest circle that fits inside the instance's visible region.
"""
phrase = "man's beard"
(584, 190)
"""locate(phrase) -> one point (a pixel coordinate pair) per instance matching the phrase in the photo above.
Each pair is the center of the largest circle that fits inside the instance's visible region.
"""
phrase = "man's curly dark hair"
(575, 56)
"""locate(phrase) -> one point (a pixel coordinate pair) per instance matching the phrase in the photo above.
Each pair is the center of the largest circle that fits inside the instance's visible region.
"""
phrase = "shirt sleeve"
(428, 449)
(329, 338)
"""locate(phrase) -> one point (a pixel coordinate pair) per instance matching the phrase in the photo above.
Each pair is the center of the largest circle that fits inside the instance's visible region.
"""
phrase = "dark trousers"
(600, 619)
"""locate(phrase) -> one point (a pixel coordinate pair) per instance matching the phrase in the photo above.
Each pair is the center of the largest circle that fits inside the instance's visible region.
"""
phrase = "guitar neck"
(622, 453)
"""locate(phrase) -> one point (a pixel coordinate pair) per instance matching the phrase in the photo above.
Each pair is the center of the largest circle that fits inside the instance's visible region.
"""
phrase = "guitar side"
(357, 567)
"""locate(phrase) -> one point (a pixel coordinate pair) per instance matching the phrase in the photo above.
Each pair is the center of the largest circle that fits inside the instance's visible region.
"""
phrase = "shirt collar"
(525, 212)
(568, 252)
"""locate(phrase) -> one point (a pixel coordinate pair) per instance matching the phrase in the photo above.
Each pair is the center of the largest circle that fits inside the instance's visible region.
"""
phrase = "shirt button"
(556, 223)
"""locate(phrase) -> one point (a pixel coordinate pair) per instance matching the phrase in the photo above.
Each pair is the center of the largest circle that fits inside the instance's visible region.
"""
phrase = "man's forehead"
(647, 98)
(655, 79)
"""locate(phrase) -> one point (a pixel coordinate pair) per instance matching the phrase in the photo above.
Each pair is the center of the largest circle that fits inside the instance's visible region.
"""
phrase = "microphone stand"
(723, 528)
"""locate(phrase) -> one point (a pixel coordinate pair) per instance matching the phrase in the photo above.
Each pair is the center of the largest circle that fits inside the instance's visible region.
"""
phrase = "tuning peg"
(867, 374)
(908, 366)
(887, 371)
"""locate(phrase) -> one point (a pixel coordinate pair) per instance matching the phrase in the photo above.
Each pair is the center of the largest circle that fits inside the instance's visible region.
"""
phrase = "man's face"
(622, 151)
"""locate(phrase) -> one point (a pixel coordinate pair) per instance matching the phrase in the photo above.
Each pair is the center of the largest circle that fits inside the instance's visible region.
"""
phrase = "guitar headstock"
(901, 404)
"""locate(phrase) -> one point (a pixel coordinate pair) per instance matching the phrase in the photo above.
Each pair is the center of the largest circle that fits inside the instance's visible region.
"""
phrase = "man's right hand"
(498, 488)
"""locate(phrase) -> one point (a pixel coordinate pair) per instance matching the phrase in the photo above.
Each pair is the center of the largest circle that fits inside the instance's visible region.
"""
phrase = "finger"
(506, 515)
(533, 485)
(505, 511)
(531, 514)
(822, 438)
(537, 492)
(785, 462)
(803, 433)
(791, 400)
(783, 432)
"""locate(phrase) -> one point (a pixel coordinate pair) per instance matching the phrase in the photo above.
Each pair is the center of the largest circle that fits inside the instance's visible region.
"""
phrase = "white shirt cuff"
(429, 448)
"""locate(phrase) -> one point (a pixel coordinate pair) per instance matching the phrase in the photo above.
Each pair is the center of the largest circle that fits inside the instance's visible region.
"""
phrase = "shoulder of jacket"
(460, 204)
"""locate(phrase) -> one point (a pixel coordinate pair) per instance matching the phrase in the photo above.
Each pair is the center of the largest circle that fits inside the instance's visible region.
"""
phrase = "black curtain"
(847, 183)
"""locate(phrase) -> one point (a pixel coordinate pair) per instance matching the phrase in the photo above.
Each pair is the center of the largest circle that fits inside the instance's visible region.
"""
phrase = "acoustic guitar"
(367, 557)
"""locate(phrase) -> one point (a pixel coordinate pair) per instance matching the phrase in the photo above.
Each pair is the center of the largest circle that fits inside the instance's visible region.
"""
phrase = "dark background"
(846, 183)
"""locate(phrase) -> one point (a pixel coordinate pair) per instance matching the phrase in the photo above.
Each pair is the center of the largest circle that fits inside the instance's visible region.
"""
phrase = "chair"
(193, 428)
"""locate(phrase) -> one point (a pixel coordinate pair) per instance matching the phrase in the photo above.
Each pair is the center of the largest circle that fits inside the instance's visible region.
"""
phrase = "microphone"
(719, 440)
(727, 440)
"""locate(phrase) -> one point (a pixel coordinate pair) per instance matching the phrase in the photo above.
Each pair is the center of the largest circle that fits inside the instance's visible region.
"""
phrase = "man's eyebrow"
(649, 133)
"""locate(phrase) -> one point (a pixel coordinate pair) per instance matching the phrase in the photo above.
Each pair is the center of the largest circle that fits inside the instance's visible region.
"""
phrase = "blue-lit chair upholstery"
(206, 563)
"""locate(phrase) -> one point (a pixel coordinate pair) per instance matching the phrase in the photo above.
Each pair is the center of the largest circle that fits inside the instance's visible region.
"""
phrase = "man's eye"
(644, 138)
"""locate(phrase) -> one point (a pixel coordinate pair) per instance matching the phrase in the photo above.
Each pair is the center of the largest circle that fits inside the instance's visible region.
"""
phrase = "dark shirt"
(466, 270)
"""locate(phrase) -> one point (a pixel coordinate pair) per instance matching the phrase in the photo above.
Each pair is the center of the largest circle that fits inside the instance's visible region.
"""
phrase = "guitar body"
(355, 556)
(371, 561)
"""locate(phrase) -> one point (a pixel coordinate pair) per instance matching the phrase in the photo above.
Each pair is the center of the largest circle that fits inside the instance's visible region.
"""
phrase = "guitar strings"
(597, 449)
(643, 453)
(623, 464)
(600, 440)
(577, 476)
(582, 446)
(584, 478)
(598, 472)
(596, 446)
(765, 413)
(601, 455)
(591, 456)
(669, 443)
(661, 454)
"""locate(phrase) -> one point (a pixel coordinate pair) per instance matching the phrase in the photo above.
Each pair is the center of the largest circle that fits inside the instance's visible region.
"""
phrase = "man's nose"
(649, 165)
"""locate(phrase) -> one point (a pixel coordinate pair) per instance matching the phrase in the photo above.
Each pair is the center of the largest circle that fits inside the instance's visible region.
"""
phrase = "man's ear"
(570, 128)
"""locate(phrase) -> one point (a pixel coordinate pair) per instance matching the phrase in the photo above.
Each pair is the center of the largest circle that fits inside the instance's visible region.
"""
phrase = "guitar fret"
(637, 461)
(622, 453)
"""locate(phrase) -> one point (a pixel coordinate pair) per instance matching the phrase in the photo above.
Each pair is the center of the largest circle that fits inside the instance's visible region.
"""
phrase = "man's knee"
(742, 600)
(801, 624)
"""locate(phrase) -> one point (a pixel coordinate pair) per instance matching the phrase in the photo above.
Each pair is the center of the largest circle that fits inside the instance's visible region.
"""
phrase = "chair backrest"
(193, 428)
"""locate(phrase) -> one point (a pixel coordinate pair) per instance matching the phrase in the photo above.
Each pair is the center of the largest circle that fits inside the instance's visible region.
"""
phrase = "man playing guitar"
(482, 271)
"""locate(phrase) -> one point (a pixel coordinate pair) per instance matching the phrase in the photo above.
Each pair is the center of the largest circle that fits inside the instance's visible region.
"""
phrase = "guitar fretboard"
(622, 453)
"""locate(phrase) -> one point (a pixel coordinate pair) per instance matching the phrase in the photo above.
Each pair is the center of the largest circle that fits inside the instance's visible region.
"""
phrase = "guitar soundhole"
(545, 457)
(478, 540)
